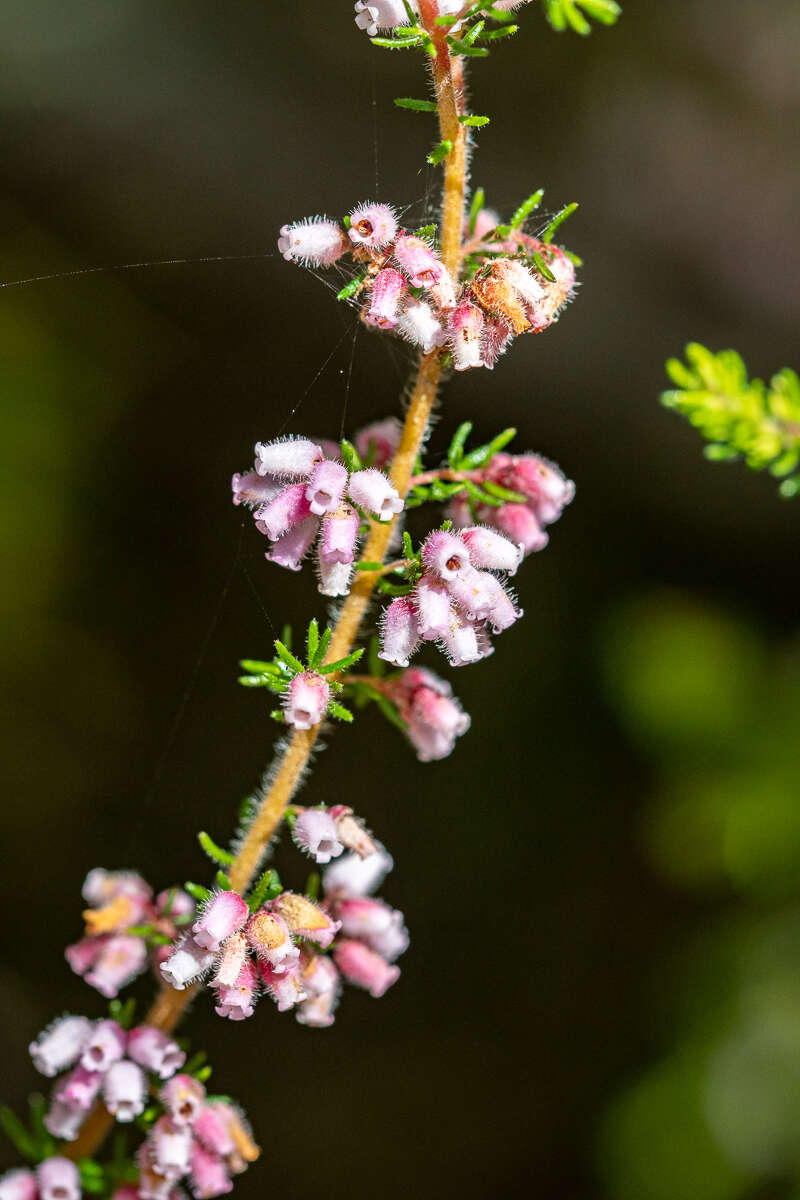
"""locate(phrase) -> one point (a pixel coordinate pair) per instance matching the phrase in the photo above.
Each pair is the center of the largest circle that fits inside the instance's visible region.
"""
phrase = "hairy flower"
(372, 225)
(317, 242)
(433, 716)
(545, 491)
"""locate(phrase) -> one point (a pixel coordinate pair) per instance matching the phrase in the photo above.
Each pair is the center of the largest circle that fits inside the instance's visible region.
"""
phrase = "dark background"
(545, 944)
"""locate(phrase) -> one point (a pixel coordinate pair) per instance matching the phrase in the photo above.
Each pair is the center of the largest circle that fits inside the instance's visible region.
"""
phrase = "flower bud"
(155, 1051)
(125, 1090)
(224, 914)
(351, 832)
(291, 457)
(314, 243)
(269, 936)
(304, 918)
(59, 1045)
(307, 699)
(399, 632)
(363, 967)
(315, 832)
(372, 225)
(58, 1179)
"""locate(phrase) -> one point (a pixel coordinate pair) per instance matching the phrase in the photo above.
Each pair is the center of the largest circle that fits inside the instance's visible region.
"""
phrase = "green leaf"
(312, 641)
(198, 893)
(325, 642)
(124, 1013)
(474, 209)
(415, 105)
(393, 589)
(368, 566)
(340, 712)
(223, 858)
(505, 31)
(350, 456)
(458, 47)
(286, 656)
(526, 208)
(255, 666)
(483, 454)
(504, 494)
(222, 881)
(408, 545)
(542, 267)
(564, 14)
(427, 231)
(557, 220)
(312, 885)
(474, 122)
(341, 664)
(350, 289)
(23, 1141)
(473, 33)
(439, 152)
(397, 43)
(455, 454)
(267, 887)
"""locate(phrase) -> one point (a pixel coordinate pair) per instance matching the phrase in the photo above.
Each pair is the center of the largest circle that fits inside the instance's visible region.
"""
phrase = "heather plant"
(458, 291)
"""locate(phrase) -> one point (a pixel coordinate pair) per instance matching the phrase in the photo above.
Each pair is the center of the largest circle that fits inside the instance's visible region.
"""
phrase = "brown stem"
(169, 1005)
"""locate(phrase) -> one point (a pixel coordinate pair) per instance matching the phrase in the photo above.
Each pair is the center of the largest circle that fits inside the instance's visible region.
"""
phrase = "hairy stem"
(169, 1005)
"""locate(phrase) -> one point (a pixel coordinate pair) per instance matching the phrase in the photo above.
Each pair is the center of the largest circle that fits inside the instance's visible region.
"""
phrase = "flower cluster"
(434, 717)
(56, 1178)
(544, 491)
(103, 1061)
(324, 833)
(297, 494)
(375, 15)
(512, 284)
(457, 600)
(126, 925)
(199, 1139)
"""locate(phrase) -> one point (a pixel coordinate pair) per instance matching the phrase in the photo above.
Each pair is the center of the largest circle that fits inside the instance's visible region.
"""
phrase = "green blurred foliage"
(717, 709)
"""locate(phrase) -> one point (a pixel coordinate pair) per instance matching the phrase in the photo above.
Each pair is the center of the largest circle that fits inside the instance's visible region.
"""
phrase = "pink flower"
(237, 1001)
(520, 524)
(59, 1045)
(387, 291)
(352, 875)
(105, 1045)
(351, 832)
(231, 961)
(291, 547)
(79, 1088)
(287, 458)
(377, 443)
(326, 487)
(445, 555)
(252, 489)
(288, 508)
(125, 1090)
(375, 923)
(212, 1129)
(307, 700)
(18, 1185)
(339, 536)
(316, 242)
(496, 340)
(370, 489)
(364, 967)
(434, 605)
(415, 257)
(209, 1175)
(334, 577)
(322, 984)
(460, 641)
(64, 1120)
(464, 330)
(58, 1179)
(183, 1098)
(155, 1051)
(224, 914)
(187, 962)
(170, 1147)
(490, 549)
(269, 936)
(372, 225)
(372, 15)
(304, 919)
(418, 324)
(432, 714)
(315, 832)
(285, 987)
(399, 632)
(120, 960)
